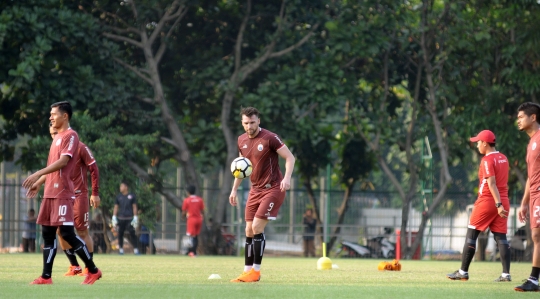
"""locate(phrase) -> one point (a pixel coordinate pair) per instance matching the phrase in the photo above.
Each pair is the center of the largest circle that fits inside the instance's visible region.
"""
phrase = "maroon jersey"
(493, 164)
(58, 184)
(262, 152)
(193, 205)
(533, 164)
(80, 181)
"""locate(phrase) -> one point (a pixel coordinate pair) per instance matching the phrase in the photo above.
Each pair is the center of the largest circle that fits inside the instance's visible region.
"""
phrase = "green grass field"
(171, 276)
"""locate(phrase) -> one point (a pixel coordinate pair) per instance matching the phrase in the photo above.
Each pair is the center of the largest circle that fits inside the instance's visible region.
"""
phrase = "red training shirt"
(262, 152)
(194, 205)
(80, 181)
(58, 184)
(493, 164)
(533, 164)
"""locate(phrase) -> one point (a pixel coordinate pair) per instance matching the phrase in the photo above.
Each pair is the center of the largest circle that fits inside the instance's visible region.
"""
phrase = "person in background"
(29, 233)
(310, 224)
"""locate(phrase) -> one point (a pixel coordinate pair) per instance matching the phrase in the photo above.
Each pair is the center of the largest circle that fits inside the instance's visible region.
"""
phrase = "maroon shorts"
(194, 226)
(534, 209)
(81, 209)
(485, 214)
(264, 203)
(56, 212)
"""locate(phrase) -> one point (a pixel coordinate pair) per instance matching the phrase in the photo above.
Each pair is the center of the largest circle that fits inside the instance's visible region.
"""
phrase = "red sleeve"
(94, 174)
(70, 144)
(86, 154)
(488, 165)
(275, 142)
(185, 204)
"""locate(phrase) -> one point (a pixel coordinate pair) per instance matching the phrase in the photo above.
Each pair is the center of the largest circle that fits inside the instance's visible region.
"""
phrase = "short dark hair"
(191, 189)
(31, 211)
(492, 144)
(64, 107)
(530, 108)
(249, 111)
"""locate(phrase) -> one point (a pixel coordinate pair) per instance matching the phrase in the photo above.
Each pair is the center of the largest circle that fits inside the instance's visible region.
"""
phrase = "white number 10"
(62, 210)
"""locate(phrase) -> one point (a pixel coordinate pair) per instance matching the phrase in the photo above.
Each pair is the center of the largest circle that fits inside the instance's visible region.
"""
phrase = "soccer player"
(528, 120)
(81, 208)
(267, 193)
(193, 209)
(491, 207)
(126, 209)
(56, 211)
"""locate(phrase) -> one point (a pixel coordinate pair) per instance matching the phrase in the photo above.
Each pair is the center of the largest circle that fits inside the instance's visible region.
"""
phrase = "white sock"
(505, 275)
(257, 267)
(462, 272)
(247, 268)
(121, 250)
(533, 281)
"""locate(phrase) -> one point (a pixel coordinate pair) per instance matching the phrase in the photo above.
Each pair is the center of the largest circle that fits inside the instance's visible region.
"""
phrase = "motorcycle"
(377, 247)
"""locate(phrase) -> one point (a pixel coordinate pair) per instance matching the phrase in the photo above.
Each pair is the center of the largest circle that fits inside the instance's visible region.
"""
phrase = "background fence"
(369, 213)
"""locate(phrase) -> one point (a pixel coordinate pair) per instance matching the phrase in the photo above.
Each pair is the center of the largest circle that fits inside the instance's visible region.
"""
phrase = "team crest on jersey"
(130, 197)
(260, 147)
(534, 146)
(58, 142)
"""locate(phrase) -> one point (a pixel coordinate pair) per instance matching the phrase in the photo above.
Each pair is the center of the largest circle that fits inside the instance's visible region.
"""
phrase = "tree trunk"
(341, 214)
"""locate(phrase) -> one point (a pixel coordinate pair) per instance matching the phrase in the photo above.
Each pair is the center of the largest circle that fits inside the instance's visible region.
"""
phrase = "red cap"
(485, 135)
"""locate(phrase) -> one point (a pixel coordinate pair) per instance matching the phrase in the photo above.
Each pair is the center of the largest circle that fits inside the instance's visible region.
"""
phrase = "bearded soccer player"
(267, 193)
(81, 207)
(56, 211)
(528, 120)
(491, 207)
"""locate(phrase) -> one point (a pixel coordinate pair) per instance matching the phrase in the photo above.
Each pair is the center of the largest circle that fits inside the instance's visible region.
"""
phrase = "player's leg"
(32, 245)
(504, 251)
(121, 229)
(306, 248)
(259, 241)
(49, 250)
(248, 252)
(312, 247)
(85, 236)
(197, 225)
(68, 233)
(531, 284)
(469, 248)
(133, 238)
(25, 244)
(46, 213)
(74, 267)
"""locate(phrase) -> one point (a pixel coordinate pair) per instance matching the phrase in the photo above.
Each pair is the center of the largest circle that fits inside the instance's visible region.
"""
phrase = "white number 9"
(271, 205)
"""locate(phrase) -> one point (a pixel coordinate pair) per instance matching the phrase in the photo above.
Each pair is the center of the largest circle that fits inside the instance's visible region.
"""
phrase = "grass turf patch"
(172, 276)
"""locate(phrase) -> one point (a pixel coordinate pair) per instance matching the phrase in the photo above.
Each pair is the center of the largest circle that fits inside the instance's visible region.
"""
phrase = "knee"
(249, 231)
(82, 233)
(535, 235)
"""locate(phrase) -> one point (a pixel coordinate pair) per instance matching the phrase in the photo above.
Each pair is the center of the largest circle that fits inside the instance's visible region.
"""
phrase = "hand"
(285, 184)
(232, 199)
(135, 222)
(502, 212)
(33, 191)
(523, 213)
(95, 201)
(30, 180)
(114, 221)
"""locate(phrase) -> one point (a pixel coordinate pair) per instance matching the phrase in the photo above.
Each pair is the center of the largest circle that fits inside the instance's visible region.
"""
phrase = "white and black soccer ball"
(241, 167)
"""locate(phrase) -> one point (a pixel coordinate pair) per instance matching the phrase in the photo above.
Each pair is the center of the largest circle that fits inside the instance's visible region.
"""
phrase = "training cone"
(324, 263)
(214, 276)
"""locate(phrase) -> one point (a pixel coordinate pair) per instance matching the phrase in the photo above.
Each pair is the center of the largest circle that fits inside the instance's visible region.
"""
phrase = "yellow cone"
(324, 263)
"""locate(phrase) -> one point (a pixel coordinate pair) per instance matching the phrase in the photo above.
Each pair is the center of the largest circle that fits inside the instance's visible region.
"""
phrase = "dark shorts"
(485, 214)
(534, 209)
(264, 203)
(81, 209)
(194, 226)
(56, 212)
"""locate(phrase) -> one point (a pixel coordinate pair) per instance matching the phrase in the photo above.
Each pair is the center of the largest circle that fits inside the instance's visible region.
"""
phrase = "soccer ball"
(241, 167)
